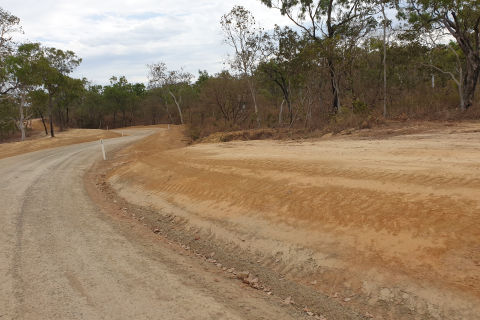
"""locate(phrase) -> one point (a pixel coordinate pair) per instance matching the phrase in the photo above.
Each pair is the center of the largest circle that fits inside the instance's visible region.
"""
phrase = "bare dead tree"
(173, 81)
(246, 38)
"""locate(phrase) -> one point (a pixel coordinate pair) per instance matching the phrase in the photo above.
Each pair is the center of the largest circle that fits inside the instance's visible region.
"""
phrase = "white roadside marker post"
(122, 133)
(168, 126)
(103, 150)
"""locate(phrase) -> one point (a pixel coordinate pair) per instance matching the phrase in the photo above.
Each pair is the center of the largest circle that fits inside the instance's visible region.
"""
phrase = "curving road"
(61, 258)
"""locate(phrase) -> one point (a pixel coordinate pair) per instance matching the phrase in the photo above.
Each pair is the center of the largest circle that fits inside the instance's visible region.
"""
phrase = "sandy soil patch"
(40, 142)
(391, 222)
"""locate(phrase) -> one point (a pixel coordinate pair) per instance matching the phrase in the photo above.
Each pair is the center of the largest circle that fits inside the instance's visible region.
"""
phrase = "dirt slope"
(390, 224)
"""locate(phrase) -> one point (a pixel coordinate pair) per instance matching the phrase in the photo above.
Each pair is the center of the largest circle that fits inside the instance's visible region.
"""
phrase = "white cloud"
(122, 37)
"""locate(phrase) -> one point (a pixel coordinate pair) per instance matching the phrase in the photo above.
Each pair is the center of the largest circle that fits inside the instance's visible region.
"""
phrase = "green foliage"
(325, 72)
(460, 18)
(9, 25)
(360, 107)
(7, 116)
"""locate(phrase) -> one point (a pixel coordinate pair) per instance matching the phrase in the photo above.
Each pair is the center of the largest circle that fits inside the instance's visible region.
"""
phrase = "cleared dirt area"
(39, 141)
(385, 225)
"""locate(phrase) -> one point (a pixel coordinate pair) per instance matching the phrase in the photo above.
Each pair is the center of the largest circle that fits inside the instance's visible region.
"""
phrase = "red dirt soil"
(391, 220)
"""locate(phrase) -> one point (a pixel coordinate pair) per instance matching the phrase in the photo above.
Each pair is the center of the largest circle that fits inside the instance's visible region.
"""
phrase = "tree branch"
(300, 26)
(443, 71)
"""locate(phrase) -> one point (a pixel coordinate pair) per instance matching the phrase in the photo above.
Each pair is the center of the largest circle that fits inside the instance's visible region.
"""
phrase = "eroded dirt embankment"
(387, 227)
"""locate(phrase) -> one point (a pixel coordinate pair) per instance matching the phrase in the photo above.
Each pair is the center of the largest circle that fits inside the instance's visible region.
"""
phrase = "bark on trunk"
(280, 112)
(334, 84)
(384, 61)
(178, 106)
(21, 124)
(254, 97)
(290, 110)
(289, 104)
(44, 124)
(469, 76)
(469, 83)
(62, 121)
(50, 115)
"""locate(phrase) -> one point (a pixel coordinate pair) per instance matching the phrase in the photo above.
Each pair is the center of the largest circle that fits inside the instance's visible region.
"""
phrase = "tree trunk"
(178, 106)
(62, 121)
(254, 97)
(289, 103)
(334, 84)
(44, 124)
(280, 112)
(168, 113)
(290, 110)
(460, 95)
(469, 83)
(50, 115)
(433, 74)
(384, 61)
(21, 123)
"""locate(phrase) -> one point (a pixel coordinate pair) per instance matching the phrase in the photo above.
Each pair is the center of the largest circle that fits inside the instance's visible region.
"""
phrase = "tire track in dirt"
(406, 206)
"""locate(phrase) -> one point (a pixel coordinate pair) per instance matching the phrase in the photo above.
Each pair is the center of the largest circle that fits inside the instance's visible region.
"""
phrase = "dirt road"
(390, 224)
(62, 258)
(40, 142)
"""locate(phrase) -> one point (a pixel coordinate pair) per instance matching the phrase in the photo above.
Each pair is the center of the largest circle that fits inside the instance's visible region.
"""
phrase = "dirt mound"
(253, 134)
(381, 130)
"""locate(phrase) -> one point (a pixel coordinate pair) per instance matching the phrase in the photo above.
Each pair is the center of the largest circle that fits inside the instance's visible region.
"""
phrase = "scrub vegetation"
(343, 64)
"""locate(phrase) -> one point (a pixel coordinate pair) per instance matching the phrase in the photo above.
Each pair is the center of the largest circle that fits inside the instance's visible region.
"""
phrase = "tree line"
(342, 62)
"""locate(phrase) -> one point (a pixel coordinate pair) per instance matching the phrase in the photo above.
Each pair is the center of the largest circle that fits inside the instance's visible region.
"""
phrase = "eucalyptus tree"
(229, 95)
(283, 66)
(174, 82)
(92, 108)
(247, 39)
(118, 97)
(386, 23)
(23, 72)
(54, 67)
(69, 94)
(137, 93)
(461, 19)
(328, 22)
(39, 104)
(448, 59)
(9, 25)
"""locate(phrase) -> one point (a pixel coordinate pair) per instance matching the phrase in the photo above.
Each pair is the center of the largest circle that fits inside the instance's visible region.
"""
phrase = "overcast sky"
(121, 37)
